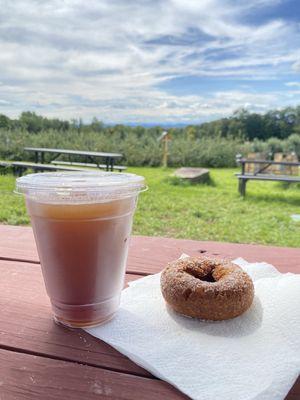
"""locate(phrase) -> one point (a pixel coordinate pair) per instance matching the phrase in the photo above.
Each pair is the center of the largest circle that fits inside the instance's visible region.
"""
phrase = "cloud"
(112, 59)
(293, 84)
(296, 65)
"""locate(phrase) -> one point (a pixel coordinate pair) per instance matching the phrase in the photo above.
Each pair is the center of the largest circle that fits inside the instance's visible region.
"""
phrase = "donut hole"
(199, 275)
(208, 278)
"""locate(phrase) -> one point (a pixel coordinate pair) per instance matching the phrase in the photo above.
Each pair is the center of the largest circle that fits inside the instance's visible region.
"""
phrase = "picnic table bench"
(41, 360)
(5, 164)
(90, 156)
(19, 167)
(259, 174)
(119, 168)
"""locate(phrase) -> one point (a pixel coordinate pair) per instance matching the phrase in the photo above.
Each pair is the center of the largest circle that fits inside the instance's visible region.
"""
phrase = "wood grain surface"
(148, 255)
(25, 376)
(41, 360)
(26, 323)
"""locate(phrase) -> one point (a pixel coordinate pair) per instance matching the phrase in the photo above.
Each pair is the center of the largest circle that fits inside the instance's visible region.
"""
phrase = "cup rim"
(76, 186)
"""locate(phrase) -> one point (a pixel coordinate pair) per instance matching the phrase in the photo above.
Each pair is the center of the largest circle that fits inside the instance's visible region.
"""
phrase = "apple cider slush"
(82, 224)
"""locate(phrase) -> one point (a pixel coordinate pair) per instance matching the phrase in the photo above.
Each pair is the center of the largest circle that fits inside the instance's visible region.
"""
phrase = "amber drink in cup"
(82, 223)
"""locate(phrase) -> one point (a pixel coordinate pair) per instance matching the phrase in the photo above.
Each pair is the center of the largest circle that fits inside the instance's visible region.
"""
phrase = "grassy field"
(203, 212)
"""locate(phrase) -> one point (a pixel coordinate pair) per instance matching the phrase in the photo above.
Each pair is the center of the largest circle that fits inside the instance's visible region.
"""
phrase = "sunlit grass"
(12, 206)
(202, 212)
(217, 212)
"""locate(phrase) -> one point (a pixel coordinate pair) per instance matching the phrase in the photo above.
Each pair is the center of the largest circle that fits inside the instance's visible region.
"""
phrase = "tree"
(96, 125)
(4, 121)
(31, 122)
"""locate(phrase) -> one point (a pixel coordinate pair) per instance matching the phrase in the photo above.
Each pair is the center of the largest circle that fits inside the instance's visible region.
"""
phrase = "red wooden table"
(40, 360)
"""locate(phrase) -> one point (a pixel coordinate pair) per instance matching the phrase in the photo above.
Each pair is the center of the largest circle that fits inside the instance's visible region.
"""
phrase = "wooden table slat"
(149, 255)
(74, 152)
(24, 376)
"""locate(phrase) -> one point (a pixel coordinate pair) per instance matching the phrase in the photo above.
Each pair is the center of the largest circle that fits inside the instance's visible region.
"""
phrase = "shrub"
(275, 145)
(292, 144)
(142, 147)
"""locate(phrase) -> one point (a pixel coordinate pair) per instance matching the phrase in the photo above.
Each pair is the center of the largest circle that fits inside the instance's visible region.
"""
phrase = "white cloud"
(293, 84)
(296, 65)
(109, 59)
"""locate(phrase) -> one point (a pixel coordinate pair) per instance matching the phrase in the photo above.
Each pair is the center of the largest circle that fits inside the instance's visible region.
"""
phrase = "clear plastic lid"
(79, 186)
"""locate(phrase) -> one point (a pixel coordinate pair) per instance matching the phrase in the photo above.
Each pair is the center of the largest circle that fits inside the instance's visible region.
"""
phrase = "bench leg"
(242, 187)
(107, 161)
(20, 171)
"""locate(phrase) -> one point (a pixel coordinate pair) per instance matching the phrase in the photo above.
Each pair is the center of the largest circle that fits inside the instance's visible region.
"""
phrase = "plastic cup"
(82, 223)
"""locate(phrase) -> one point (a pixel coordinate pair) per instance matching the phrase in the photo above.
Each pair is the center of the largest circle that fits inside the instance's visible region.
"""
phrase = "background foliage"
(211, 144)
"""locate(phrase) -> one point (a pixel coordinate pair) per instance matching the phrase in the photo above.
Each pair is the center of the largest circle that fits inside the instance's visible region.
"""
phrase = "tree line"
(242, 124)
(211, 144)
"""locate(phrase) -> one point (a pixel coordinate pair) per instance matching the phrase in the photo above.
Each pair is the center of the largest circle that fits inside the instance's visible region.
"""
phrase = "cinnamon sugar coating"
(207, 288)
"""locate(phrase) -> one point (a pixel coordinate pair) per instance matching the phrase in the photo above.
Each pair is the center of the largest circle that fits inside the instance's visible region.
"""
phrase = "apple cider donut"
(207, 288)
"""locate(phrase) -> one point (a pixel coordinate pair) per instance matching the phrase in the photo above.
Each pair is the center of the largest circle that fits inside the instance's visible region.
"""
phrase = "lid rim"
(96, 182)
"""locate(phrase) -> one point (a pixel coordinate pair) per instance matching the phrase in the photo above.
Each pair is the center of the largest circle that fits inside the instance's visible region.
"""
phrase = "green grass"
(12, 206)
(202, 212)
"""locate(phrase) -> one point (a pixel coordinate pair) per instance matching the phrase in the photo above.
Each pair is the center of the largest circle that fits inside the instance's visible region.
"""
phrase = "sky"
(148, 61)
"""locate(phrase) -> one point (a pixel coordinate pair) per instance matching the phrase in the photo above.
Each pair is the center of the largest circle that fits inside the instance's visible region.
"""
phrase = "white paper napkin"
(254, 356)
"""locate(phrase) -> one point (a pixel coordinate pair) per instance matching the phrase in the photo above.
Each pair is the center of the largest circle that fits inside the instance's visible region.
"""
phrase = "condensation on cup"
(82, 223)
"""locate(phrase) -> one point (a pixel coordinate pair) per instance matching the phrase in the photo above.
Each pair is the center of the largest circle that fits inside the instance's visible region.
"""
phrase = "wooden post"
(165, 138)
(242, 186)
(165, 154)
(243, 167)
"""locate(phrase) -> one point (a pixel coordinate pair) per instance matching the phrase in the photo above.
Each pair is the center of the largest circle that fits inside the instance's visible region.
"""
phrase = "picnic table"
(41, 360)
(93, 157)
(261, 172)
